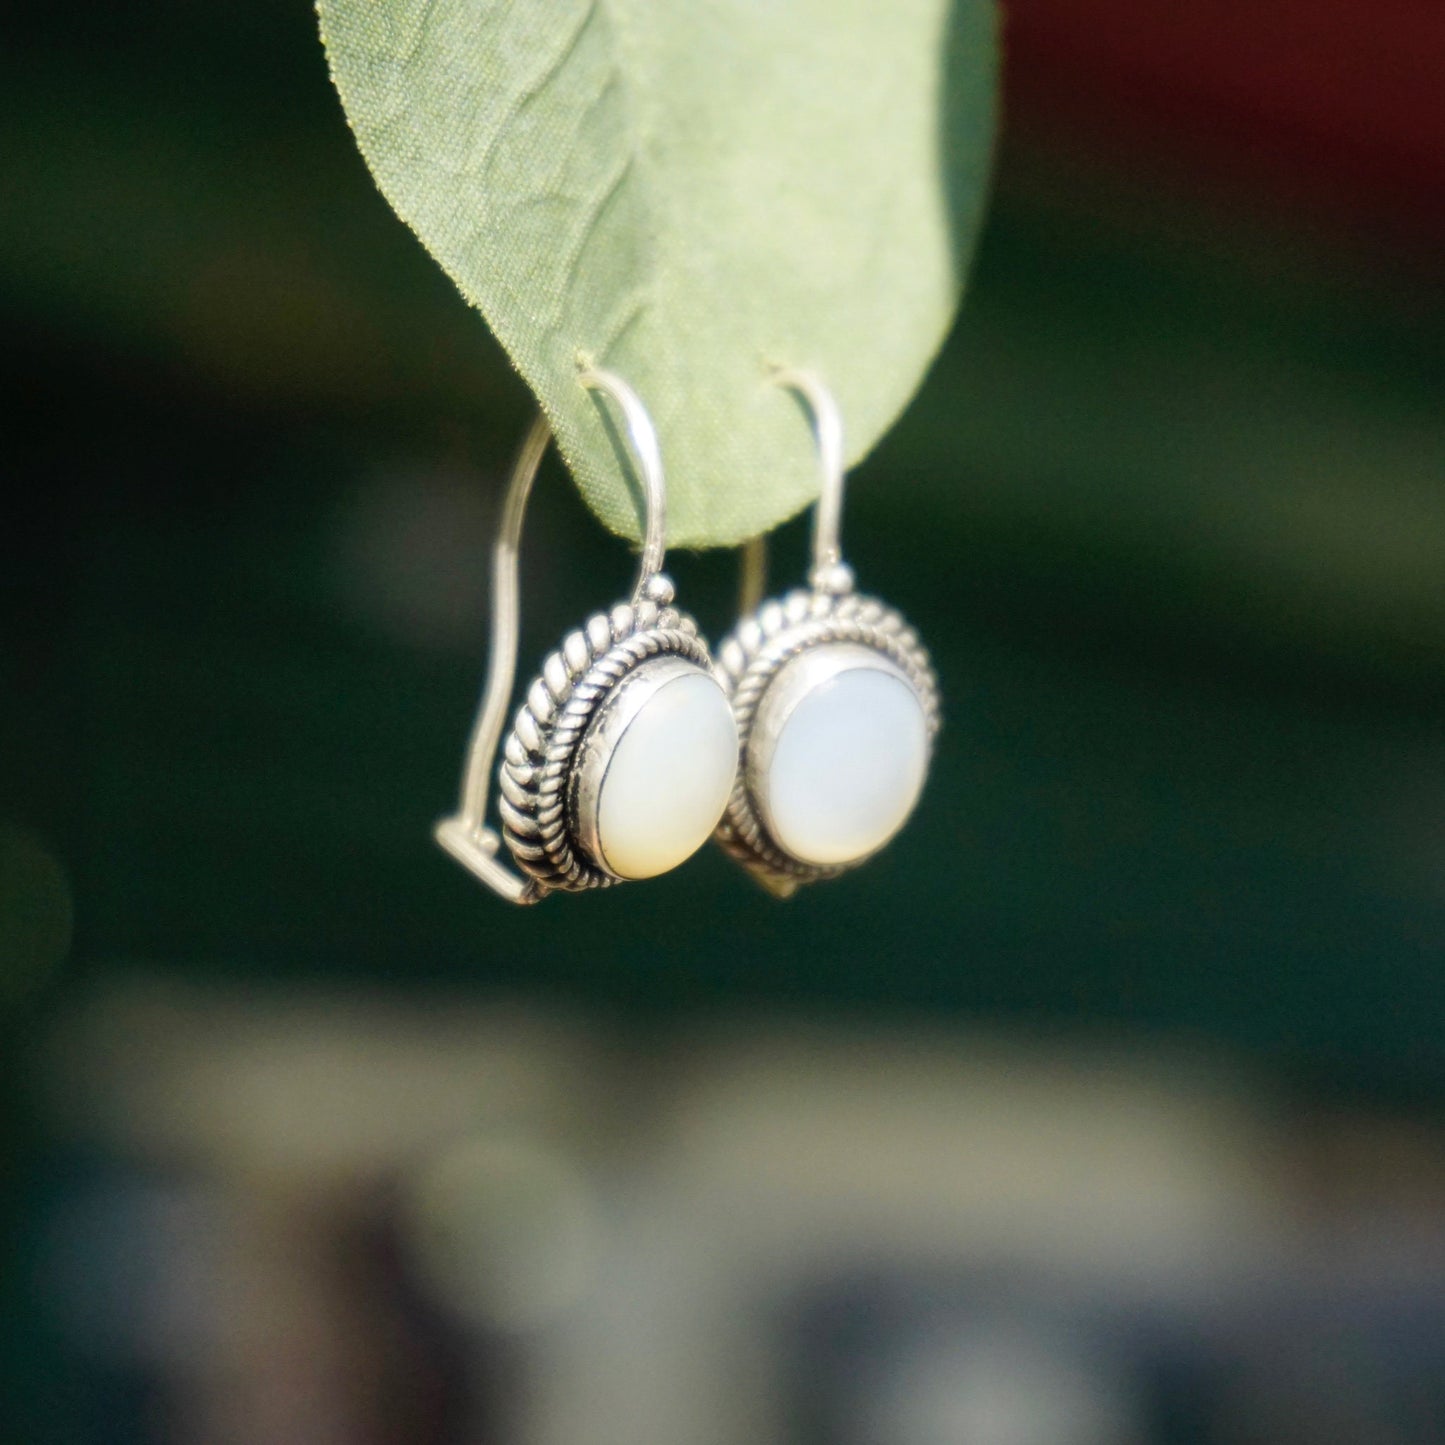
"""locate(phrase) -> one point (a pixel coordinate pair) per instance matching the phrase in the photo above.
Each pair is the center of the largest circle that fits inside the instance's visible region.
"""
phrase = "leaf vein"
(536, 86)
(588, 221)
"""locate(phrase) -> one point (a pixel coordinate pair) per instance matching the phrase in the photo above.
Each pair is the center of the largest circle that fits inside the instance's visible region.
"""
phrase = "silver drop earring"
(620, 760)
(835, 700)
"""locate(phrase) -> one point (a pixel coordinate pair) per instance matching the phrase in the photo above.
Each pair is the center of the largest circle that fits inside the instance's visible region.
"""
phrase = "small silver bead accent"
(836, 579)
(659, 589)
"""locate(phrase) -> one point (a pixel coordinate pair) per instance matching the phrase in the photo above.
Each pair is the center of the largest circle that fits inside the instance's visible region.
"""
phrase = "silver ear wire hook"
(829, 572)
(821, 672)
(828, 432)
(465, 836)
(647, 458)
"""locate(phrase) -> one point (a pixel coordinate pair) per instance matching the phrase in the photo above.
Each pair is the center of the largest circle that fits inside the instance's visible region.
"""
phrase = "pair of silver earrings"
(802, 745)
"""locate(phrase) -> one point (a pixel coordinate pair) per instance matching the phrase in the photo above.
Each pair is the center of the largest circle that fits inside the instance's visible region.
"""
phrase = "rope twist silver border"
(747, 663)
(561, 703)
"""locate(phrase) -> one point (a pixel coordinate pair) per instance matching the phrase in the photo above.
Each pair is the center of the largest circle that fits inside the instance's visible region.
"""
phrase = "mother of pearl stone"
(837, 754)
(655, 768)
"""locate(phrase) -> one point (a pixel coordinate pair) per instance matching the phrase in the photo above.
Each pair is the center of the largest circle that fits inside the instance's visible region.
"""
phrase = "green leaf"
(688, 193)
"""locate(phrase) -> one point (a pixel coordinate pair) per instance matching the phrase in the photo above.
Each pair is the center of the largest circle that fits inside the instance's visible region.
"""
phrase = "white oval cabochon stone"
(848, 765)
(668, 779)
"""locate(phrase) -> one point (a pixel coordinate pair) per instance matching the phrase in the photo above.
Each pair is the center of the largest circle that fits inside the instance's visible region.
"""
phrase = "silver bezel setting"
(546, 794)
(614, 716)
(748, 663)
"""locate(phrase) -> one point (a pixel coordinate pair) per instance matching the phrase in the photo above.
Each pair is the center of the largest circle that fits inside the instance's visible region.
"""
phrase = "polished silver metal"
(556, 756)
(647, 458)
(465, 835)
(830, 624)
(828, 435)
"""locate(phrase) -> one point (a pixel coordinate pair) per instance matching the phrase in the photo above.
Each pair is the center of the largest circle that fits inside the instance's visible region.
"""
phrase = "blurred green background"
(1169, 511)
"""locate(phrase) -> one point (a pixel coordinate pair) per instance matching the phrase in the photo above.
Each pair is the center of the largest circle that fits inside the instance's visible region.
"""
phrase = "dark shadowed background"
(1169, 511)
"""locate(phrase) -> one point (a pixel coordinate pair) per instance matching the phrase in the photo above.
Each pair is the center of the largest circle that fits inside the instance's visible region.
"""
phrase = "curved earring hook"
(647, 458)
(828, 432)
(466, 836)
